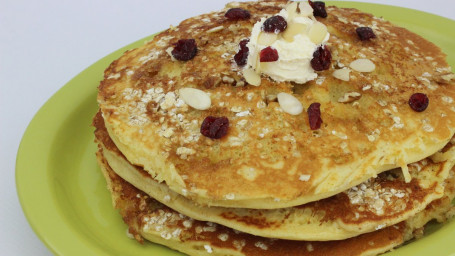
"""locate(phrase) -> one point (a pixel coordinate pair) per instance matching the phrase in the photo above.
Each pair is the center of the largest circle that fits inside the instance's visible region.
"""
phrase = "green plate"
(64, 195)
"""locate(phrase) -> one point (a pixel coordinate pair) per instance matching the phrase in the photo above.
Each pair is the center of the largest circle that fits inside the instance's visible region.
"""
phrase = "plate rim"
(28, 145)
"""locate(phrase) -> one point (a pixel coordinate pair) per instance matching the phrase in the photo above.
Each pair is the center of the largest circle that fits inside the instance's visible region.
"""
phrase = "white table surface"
(43, 44)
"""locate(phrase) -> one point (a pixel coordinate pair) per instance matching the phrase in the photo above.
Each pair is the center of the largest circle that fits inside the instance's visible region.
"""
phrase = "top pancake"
(271, 159)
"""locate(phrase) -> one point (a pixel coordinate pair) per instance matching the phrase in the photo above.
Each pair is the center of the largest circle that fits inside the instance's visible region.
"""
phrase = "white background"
(43, 44)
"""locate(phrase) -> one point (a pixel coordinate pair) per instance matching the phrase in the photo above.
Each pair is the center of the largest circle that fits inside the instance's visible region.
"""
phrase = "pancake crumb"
(309, 247)
(208, 248)
(373, 197)
(304, 177)
(223, 237)
(261, 245)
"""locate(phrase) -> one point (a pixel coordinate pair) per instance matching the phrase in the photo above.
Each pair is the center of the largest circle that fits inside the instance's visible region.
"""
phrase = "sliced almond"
(342, 74)
(289, 103)
(253, 59)
(448, 77)
(195, 98)
(169, 51)
(252, 77)
(317, 32)
(292, 10)
(305, 9)
(444, 78)
(349, 97)
(233, 5)
(267, 38)
(292, 30)
(363, 65)
(215, 29)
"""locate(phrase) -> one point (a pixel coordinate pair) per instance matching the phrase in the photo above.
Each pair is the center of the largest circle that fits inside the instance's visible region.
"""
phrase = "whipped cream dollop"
(295, 45)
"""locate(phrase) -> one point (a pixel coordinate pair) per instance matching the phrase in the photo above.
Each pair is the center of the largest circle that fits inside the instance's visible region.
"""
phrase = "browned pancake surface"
(376, 204)
(260, 163)
(147, 217)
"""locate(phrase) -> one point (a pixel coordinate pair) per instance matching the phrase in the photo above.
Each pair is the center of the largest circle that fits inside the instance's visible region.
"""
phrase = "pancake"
(376, 204)
(268, 157)
(148, 219)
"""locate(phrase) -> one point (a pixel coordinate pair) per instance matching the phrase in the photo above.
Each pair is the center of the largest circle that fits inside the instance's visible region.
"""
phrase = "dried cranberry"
(318, 8)
(184, 49)
(237, 14)
(244, 42)
(314, 116)
(215, 127)
(321, 59)
(275, 24)
(242, 55)
(419, 102)
(268, 54)
(365, 33)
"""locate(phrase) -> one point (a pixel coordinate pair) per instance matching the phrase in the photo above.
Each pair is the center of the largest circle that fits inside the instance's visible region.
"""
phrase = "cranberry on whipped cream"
(295, 45)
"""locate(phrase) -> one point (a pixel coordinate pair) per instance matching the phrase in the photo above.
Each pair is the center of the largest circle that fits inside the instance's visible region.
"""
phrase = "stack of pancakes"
(367, 180)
